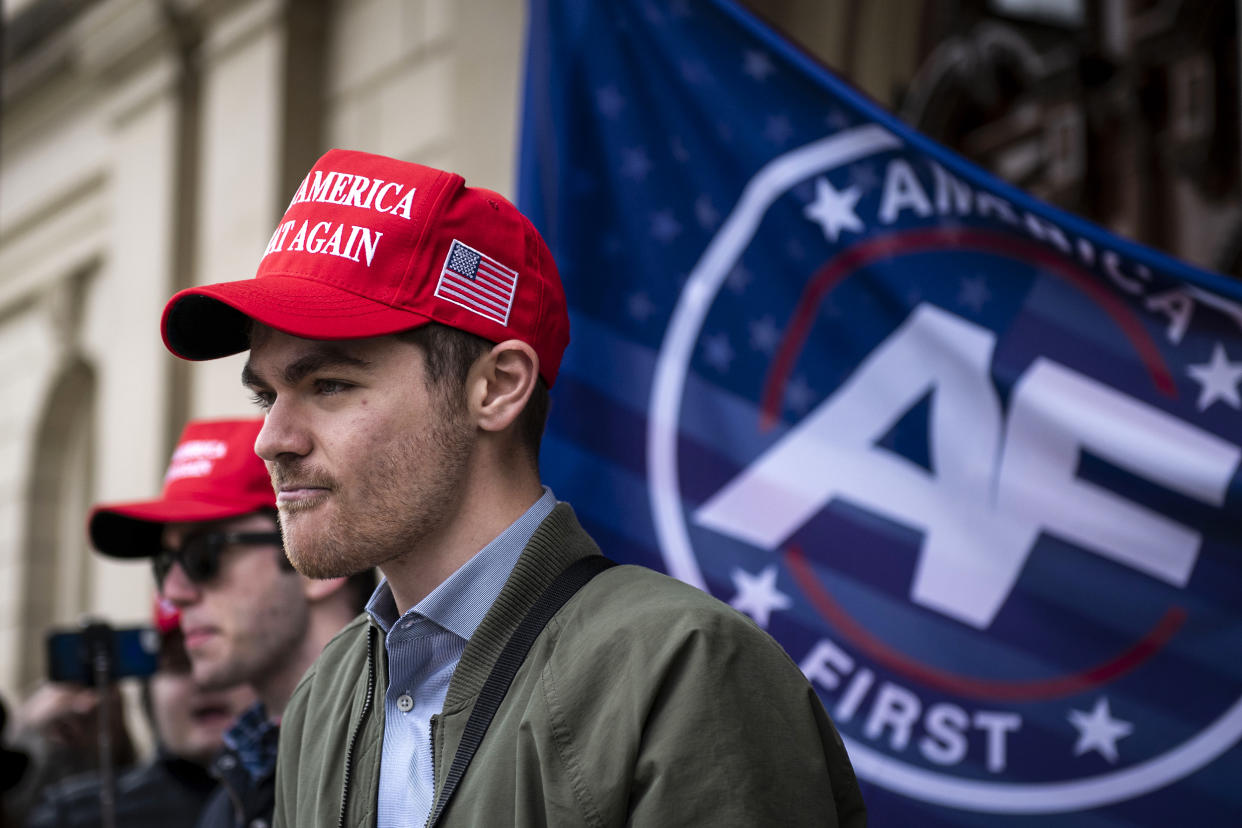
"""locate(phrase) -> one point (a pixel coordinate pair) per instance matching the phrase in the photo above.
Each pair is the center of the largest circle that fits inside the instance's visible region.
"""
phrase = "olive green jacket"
(644, 702)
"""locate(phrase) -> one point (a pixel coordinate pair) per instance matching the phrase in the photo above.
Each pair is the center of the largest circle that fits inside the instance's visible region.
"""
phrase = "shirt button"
(226, 762)
(404, 703)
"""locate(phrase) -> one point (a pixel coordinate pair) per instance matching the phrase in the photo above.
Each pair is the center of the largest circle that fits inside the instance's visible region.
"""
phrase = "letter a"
(403, 206)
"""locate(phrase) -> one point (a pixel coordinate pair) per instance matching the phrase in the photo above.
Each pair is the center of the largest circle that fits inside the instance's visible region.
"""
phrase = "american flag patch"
(477, 282)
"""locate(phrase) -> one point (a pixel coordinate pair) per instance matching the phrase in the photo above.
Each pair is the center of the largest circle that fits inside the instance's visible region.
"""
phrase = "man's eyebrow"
(327, 356)
(249, 378)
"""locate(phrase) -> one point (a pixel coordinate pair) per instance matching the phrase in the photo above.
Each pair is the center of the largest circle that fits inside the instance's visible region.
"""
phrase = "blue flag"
(973, 461)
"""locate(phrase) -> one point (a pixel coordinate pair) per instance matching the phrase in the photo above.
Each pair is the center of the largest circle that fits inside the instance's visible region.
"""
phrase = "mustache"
(286, 475)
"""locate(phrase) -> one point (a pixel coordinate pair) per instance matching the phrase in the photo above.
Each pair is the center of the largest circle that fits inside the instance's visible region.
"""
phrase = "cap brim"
(133, 530)
(214, 320)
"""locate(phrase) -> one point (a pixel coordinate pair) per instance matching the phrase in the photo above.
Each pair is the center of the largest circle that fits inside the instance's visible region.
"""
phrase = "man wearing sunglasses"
(246, 615)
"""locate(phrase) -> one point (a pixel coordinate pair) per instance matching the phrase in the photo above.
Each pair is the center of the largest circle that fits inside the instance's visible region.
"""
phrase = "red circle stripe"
(968, 686)
(923, 241)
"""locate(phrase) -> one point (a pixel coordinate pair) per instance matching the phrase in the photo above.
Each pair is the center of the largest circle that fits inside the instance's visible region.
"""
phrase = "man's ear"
(317, 589)
(500, 383)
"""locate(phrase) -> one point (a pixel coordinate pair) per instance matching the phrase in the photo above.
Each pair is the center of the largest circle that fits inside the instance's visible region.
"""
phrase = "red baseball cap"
(214, 474)
(371, 246)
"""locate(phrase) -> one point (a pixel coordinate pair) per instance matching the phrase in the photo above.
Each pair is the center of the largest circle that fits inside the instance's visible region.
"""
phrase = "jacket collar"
(559, 541)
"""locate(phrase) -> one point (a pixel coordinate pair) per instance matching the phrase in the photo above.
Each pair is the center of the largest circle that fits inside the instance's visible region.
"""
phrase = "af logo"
(985, 540)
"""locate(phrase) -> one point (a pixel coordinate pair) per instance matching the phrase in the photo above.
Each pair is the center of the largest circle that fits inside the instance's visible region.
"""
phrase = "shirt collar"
(460, 602)
(254, 737)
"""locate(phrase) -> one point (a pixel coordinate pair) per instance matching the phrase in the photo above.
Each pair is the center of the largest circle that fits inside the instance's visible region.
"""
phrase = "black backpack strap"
(573, 578)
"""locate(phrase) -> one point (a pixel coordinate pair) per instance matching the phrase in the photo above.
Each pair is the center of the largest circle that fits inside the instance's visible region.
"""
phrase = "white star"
(705, 212)
(640, 307)
(635, 164)
(764, 335)
(833, 210)
(678, 149)
(777, 129)
(1218, 379)
(757, 595)
(609, 102)
(974, 293)
(837, 120)
(758, 65)
(694, 72)
(664, 227)
(799, 395)
(738, 279)
(718, 352)
(1098, 730)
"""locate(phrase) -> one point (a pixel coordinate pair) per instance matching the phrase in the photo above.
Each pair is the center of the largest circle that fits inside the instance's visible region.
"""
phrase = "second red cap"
(214, 474)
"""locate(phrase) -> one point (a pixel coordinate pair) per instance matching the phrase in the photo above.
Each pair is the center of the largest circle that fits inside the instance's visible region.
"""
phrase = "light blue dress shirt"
(424, 646)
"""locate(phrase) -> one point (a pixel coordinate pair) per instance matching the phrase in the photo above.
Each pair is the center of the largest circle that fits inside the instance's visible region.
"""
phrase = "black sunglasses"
(199, 554)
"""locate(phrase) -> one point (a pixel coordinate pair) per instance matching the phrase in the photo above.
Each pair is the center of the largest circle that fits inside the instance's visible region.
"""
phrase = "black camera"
(79, 655)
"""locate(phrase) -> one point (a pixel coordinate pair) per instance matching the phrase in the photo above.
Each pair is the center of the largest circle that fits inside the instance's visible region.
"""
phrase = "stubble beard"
(271, 643)
(221, 674)
(392, 509)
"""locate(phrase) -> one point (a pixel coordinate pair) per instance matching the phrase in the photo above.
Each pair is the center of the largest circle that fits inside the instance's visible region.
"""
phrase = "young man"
(246, 615)
(403, 331)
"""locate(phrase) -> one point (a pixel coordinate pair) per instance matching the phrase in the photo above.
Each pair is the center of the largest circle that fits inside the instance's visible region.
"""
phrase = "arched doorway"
(58, 564)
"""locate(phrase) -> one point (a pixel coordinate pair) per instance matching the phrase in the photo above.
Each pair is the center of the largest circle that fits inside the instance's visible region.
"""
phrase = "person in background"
(247, 616)
(188, 723)
(403, 333)
(57, 726)
(14, 762)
